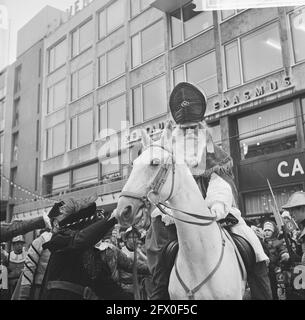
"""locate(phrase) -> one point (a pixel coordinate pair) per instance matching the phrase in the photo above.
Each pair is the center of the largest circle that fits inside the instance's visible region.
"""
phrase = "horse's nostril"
(126, 212)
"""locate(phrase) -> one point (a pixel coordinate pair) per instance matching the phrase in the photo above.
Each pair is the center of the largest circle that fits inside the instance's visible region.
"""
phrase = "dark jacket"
(74, 259)
(10, 230)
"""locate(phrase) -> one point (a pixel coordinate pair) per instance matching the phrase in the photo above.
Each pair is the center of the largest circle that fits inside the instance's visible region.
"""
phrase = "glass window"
(112, 113)
(225, 14)
(215, 131)
(81, 129)
(297, 22)
(148, 43)
(154, 98)
(267, 131)
(60, 182)
(58, 55)
(112, 64)
(261, 52)
(185, 23)
(138, 5)
(110, 169)
(57, 96)
(55, 140)
(85, 175)
(179, 75)
(202, 72)
(17, 81)
(16, 112)
(82, 38)
(1, 148)
(81, 82)
(111, 18)
(15, 147)
(232, 65)
(137, 105)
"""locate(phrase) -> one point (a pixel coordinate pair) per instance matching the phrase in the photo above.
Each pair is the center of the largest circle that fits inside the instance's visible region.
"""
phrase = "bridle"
(148, 200)
(152, 197)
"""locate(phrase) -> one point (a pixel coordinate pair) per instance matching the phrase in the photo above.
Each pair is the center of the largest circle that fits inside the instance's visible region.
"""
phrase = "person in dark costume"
(213, 173)
(77, 269)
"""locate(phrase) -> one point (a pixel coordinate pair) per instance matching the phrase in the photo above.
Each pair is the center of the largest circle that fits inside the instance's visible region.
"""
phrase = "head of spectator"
(18, 243)
(269, 229)
(296, 207)
(131, 237)
(286, 216)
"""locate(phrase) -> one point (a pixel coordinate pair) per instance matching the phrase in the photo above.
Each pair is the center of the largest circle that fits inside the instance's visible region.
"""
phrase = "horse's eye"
(155, 162)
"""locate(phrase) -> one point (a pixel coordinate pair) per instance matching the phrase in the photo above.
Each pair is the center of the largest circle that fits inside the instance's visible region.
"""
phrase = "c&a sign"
(292, 166)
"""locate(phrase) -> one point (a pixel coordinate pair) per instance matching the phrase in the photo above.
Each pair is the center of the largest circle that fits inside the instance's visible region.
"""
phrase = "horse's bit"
(147, 199)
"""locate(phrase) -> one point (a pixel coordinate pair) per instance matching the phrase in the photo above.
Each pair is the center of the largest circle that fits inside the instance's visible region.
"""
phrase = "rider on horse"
(214, 176)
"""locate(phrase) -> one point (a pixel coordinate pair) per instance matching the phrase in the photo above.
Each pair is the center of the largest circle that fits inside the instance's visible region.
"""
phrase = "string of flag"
(26, 191)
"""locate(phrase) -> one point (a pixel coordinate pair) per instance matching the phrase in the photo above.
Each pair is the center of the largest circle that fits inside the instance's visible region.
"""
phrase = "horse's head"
(153, 166)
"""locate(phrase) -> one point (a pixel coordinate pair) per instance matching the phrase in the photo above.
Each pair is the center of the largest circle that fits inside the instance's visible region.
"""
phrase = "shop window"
(110, 170)
(267, 131)
(215, 131)
(200, 72)
(148, 43)
(111, 64)
(261, 202)
(85, 175)
(138, 6)
(297, 26)
(185, 23)
(111, 115)
(60, 182)
(57, 55)
(81, 82)
(55, 137)
(149, 100)
(82, 38)
(111, 18)
(57, 96)
(81, 129)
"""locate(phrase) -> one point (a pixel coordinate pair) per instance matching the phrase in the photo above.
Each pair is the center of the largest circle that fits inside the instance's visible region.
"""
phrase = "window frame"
(104, 12)
(141, 87)
(290, 37)
(84, 183)
(77, 30)
(77, 130)
(184, 39)
(106, 54)
(71, 82)
(140, 34)
(237, 12)
(48, 93)
(52, 141)
(53, 47)
(240, 56)
(184, 66)
(105, 104)
(260, 110)
(141, 8)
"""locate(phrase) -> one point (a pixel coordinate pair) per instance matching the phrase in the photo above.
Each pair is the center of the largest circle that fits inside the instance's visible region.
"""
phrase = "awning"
(169, 5)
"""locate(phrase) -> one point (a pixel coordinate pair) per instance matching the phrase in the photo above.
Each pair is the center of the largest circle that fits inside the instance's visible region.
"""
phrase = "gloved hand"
(218, 209)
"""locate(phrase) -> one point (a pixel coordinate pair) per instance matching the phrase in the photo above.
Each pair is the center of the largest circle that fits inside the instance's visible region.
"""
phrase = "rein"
(154, 190)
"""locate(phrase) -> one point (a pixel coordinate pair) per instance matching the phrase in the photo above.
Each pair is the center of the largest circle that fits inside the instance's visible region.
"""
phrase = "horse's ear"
(146, 140)
(167, 133)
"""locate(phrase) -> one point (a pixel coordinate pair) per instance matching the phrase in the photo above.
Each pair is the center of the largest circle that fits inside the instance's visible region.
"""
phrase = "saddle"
(244, 248)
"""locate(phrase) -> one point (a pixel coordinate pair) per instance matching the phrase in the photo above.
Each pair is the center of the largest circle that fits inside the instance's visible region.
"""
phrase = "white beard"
(190, 148)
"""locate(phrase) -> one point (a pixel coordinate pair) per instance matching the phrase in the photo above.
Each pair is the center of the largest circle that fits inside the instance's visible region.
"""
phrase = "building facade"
(117, 61)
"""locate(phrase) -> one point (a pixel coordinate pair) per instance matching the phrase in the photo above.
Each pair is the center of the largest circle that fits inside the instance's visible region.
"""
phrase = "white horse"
(206, 266)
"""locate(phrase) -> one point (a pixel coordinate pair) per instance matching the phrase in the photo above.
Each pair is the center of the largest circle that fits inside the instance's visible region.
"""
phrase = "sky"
(19, 13)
